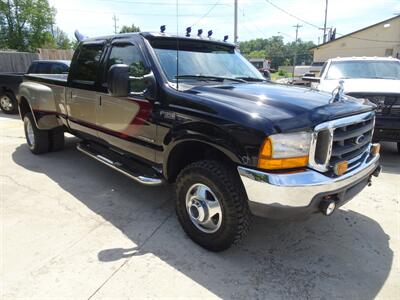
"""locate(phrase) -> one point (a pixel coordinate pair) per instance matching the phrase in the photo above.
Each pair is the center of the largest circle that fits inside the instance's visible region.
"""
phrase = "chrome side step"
(118, 166)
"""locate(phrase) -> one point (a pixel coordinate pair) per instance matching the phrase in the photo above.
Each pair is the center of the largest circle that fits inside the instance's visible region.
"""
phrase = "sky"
(256, 18)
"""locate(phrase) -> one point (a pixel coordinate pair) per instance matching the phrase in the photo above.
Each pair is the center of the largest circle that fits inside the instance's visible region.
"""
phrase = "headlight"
(285, 151)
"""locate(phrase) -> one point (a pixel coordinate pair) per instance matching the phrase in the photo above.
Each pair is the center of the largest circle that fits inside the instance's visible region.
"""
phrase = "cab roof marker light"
(162, 28)
(210, 32)
(226, 38)
(199, 32)
(188, 31)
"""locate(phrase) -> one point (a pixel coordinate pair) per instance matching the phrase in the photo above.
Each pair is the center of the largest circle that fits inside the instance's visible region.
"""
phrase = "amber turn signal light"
(340, 168)
(375, 149)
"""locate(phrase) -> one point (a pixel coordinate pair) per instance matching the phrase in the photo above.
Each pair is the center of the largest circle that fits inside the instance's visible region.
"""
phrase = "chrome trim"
(331, 126)
(298, 189)
(118, 167)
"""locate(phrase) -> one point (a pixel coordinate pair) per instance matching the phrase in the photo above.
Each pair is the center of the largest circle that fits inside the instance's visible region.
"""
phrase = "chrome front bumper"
(277, 195)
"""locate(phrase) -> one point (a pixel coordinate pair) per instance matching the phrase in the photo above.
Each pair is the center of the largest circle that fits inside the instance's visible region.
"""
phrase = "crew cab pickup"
(9, 82)
(194, 112)
(374, 78)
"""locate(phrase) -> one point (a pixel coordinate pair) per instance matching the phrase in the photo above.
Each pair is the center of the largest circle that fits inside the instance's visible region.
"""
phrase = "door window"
(85, 69)
(130, 55)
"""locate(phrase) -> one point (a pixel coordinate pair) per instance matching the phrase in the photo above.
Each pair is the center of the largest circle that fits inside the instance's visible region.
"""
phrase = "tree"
(132, 28)
(277, 51)
(61, 39)
(26, 24)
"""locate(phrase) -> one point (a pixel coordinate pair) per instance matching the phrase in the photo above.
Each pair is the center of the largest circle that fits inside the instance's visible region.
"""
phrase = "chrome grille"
(387, 104)
(347, 139)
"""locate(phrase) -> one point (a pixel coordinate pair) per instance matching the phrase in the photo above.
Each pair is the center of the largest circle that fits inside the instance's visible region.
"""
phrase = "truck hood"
(373, 86)
(284, 108)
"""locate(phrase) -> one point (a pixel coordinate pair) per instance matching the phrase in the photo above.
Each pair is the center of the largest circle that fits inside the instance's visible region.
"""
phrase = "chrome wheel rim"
(203, 208)
(29, 132)
(6, 103)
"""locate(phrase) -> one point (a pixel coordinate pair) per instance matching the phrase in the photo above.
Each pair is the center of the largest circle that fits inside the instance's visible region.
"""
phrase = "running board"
(118, 166)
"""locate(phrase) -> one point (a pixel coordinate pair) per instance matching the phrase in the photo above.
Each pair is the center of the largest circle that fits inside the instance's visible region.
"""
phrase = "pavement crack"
(127, 260)
(20, 184)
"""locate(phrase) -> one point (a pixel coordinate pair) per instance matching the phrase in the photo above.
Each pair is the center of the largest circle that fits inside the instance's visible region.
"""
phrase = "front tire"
(212, 205)
(38, 140)
(8, 103)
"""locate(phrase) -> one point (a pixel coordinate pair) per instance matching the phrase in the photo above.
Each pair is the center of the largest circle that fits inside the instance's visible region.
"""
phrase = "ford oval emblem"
(360, 139)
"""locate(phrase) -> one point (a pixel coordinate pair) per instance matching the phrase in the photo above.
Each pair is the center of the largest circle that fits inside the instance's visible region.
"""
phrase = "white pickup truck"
(374, 78)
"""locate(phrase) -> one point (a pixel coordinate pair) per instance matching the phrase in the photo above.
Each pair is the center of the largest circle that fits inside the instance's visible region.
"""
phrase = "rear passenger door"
(126, 121)
(82, 99)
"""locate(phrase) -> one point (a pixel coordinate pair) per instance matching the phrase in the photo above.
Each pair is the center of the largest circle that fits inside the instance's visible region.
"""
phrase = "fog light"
(327, 207)
(375, 149)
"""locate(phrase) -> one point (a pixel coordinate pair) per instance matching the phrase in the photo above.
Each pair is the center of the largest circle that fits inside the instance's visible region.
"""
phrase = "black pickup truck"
(193, 112)
(9, 82)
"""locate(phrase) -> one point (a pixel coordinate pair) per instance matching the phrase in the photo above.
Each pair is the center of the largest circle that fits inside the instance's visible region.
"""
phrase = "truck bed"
(57, 79)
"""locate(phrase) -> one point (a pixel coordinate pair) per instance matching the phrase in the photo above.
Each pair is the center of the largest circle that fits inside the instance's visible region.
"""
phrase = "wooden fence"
(12, 61)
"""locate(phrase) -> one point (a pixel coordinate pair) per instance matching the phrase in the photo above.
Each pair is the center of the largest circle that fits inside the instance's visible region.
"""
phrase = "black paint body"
(233, 118)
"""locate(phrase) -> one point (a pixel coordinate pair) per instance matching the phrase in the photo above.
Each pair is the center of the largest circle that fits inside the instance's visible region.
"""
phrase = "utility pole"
(115, 24)
(297, 26)
(326, 17)
(235, 29)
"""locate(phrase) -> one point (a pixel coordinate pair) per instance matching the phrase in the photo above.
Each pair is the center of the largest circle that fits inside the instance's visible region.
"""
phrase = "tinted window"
(87, 63)
(32, 68)
(58, 69)
(130, 55)
(43, 68)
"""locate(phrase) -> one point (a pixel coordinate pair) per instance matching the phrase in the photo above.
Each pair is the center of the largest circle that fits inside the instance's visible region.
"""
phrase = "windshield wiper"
(251, 79)
(209, 77)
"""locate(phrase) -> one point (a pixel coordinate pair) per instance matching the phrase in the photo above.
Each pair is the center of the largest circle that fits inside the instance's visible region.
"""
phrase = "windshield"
(202, 61)
(364, 69)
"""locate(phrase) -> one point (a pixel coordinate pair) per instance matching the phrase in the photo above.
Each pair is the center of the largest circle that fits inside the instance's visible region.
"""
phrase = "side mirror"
(118, 80)
(310, 77)
(120, 84)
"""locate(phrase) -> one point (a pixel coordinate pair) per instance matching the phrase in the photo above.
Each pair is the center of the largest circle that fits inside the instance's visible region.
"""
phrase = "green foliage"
(281, 73)
(132, 28)
(28, 24)
(277, 51)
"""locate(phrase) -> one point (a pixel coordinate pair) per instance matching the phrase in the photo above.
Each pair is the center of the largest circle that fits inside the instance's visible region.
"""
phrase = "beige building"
(381, 39)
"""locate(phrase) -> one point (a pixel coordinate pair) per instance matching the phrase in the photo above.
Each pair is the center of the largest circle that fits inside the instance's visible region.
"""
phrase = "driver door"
(126, 121)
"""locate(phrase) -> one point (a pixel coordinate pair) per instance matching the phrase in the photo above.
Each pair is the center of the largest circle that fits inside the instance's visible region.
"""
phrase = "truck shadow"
(344, 256)
(8, 116)
(390, 158)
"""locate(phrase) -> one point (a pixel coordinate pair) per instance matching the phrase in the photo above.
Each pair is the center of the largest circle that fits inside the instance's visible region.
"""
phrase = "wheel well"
(24, 107)
(179, 158)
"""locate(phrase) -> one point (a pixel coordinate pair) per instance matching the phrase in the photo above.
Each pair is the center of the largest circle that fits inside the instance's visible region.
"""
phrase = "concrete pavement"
(72, 228)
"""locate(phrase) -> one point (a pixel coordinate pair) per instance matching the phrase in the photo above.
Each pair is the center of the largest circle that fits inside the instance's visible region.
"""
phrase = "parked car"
(233, 143)
(374, 78)
(9, 82)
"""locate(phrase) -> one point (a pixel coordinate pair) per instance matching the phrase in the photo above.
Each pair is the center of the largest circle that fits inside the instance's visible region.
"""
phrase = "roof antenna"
(177, 45)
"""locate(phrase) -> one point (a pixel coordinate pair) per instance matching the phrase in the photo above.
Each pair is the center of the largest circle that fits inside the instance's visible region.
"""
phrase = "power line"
(292, 15)
(315, 26)
(206, 14)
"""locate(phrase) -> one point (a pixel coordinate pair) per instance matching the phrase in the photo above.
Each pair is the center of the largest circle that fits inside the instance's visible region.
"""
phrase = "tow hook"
(377, 171)
(327, 205)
